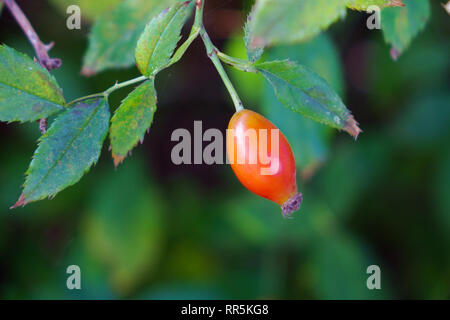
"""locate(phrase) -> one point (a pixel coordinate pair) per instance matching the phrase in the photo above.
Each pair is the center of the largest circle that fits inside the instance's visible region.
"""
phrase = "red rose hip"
(262, 159)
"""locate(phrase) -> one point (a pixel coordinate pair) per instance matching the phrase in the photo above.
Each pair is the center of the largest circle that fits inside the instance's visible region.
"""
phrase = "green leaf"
(132, 119)
(401, 25)
(288, 21)
(67, 150)
(124, 226)
(303, 91)
(363, 5)
(253, 52)
(115, 33)
(309, 140)
(160, 37)
(27, 91)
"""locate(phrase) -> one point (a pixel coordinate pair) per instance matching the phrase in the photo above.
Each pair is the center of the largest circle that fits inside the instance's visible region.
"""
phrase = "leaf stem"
(124, 84)
(108, 91)
(95, 95)
(212, 54)
(240, 64)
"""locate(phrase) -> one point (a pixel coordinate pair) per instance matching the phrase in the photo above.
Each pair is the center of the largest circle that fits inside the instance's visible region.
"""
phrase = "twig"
(40, 48)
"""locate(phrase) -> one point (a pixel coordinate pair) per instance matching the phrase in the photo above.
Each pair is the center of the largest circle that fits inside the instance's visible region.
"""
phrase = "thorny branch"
(40, 48)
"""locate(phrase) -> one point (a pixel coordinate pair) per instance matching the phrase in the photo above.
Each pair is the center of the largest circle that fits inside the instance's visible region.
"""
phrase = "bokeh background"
(152, 230)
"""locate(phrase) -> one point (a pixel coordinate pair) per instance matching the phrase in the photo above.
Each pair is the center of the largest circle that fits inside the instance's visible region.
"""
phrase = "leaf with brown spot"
(67, 150)
(131, 120)
(303, 91)
(27, 91)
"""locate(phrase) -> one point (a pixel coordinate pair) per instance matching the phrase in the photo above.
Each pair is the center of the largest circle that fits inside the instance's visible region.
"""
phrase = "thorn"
(20, 203)
(49, 46)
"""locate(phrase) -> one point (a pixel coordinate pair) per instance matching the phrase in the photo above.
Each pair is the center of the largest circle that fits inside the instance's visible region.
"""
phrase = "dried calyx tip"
(291, 205)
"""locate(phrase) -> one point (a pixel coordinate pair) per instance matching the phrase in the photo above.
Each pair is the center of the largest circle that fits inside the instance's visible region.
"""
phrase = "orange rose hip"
(262, 159)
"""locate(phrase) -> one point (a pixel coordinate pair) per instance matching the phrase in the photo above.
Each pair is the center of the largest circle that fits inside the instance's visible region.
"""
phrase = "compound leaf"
(67, 150)
(305, 92)
(160, 37)
(27, 91)
(132, 119)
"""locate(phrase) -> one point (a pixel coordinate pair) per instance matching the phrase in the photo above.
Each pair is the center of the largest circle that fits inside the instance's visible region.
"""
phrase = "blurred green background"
(154, 230)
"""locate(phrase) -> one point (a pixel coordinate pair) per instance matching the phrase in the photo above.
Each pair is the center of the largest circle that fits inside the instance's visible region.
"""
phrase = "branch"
(40, 48)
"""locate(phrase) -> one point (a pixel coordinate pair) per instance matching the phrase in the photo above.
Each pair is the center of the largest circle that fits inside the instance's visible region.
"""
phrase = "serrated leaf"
(309, 140)
(303, 91)
(363, 5)
(160, 37)
(253, 52)
(288, 21)
(132, 119)
(27, 91)
(401, 25)
(115, 33)
(67, 150)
